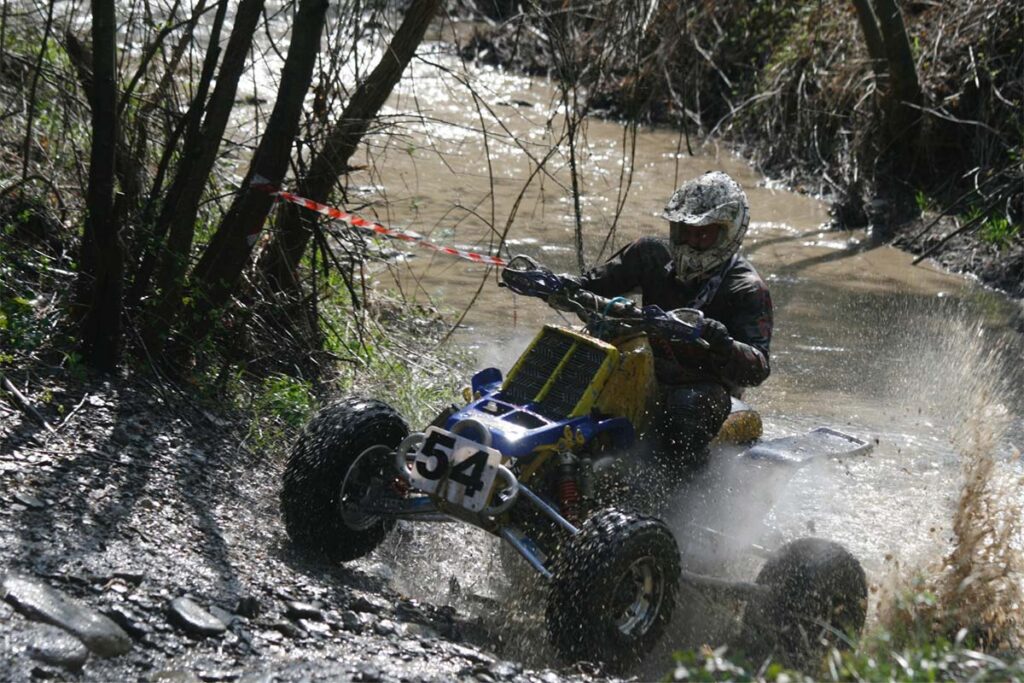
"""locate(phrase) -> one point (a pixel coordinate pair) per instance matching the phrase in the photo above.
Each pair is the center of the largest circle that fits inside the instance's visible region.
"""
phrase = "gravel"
(147, 530)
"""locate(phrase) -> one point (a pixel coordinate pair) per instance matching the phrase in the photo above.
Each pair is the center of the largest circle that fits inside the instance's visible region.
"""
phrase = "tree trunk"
(149, 239)
(905, 96)
(222, 262)
(101, 326)
(901, 98)
(181, 205)
(872, 38)
(281, 257)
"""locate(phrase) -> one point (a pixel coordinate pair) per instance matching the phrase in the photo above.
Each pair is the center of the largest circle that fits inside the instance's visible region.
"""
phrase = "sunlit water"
(864, 341)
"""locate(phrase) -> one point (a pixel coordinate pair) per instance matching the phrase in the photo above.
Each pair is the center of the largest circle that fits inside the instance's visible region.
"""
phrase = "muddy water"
(864, 341)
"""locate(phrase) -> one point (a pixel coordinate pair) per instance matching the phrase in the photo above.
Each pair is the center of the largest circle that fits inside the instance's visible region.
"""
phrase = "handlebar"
(525, 276)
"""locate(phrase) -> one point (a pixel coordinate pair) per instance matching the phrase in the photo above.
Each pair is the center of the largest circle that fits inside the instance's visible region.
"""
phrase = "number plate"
(458, 469)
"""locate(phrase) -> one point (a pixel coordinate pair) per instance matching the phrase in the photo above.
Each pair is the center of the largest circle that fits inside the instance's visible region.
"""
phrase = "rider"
(699, 267)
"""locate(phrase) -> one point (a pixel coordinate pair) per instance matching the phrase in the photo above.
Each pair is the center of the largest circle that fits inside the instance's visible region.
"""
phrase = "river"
(904, 356)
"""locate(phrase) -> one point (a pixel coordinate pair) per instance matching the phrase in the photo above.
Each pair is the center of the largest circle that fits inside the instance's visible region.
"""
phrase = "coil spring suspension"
(568, 488)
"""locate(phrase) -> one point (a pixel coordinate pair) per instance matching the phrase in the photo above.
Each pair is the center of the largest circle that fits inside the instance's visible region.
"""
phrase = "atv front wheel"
(817, 600)
(342, 456)
(614, 589)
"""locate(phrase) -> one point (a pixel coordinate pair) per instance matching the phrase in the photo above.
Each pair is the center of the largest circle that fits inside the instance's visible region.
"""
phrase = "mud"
(148, 511)
(999, 267)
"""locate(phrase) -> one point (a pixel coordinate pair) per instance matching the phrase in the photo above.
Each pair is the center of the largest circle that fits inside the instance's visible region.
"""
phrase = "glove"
(717, 336)
(560, 302)
(570, 282)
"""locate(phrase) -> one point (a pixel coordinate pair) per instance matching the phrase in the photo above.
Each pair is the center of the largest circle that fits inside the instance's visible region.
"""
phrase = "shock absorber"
(568, 487)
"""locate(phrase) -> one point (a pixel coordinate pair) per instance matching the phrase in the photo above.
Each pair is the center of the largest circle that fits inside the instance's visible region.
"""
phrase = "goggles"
(698, 237)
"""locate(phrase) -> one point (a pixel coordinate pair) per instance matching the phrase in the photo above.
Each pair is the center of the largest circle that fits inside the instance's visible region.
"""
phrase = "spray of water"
(976, 588)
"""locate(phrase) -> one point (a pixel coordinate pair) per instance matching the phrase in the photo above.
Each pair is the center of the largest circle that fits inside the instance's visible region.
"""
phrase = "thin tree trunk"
(181, 205)
(872, 38)
(902, 124)
(27, 150)
(281, 257)
(905, 91)
(101, 326)
(128, 168)
(190, 127)
(229, 250)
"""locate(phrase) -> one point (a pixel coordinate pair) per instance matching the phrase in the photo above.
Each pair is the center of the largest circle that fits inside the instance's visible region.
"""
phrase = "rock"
(384, 627)
(351, 621)
(225, 616)
(289, 629)
(314, 627)
(128, 619)
(132, 577)
(303, 610)
(415, 630)
(249, 607)
(29, 501)
(470, 654)
(214, 676)
(367, 672)
(193, 619)
(506, 669)
(39, 602)
(51, 645)
(174, 676)
(368, 603)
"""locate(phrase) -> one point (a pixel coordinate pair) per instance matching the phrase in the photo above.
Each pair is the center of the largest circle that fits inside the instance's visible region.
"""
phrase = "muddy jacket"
(742, 304)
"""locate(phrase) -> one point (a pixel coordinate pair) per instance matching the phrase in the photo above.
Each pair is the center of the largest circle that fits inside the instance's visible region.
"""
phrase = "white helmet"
(712, 198)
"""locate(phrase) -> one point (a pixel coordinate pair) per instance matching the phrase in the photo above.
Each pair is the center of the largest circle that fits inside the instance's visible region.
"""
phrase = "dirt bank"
(148, 529)
(793, 87)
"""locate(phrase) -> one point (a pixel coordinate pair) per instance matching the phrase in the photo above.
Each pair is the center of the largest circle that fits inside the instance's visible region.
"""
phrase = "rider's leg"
(690, 417)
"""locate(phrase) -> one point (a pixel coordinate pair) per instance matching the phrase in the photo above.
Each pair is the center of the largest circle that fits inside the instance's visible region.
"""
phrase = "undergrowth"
(879, 657)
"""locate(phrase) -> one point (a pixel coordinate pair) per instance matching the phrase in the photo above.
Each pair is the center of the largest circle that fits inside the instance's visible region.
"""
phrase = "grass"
(383, 349)
(999, 231)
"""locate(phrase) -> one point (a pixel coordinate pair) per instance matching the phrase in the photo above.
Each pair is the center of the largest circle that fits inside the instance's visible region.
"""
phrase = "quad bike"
(533, 458)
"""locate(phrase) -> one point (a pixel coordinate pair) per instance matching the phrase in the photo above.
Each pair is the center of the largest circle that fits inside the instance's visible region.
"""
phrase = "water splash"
(976, 588)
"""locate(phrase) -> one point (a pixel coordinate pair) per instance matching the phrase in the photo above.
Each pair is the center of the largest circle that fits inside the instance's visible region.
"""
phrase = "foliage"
(30, 269)
(880, 656)
(999, 231)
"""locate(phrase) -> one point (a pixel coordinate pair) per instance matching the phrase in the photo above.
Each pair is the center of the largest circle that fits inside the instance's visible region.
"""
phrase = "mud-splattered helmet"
(713, 199)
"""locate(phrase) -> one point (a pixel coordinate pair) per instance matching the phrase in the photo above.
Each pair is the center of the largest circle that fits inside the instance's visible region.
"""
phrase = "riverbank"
(145, 527)
(791, 87)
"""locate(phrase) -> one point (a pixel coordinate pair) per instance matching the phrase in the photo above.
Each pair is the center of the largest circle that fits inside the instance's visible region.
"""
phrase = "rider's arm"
(626, 269)
(746, 363)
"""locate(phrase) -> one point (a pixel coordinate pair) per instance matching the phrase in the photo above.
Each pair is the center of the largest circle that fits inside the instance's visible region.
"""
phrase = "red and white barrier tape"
(363, 224)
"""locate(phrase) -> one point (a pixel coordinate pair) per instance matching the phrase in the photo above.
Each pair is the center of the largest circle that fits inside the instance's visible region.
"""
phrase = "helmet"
(710, 199)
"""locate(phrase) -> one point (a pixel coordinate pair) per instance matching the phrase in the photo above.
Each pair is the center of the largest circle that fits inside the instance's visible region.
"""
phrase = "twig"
(949, 209)
(23, 403)
(74, 410)
(973, 223)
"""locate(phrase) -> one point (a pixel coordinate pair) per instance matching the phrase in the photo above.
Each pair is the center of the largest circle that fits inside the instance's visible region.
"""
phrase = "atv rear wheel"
(342, 455)
(614, 589)
(817, 600)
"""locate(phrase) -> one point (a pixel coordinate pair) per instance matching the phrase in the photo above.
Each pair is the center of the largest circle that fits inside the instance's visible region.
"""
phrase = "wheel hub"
(638, 597)
(365, 475)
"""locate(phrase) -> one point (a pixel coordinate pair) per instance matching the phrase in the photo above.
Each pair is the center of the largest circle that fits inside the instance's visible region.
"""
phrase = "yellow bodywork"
(631, 389)
(624, 385)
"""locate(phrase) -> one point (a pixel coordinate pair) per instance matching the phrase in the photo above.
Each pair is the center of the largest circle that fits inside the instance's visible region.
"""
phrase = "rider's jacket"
(742, 303)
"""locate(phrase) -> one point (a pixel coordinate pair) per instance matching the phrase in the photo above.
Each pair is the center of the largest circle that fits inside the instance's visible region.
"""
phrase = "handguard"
(525, 276)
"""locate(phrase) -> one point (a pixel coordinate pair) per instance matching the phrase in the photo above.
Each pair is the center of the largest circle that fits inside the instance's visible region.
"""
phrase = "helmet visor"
(697, 237)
